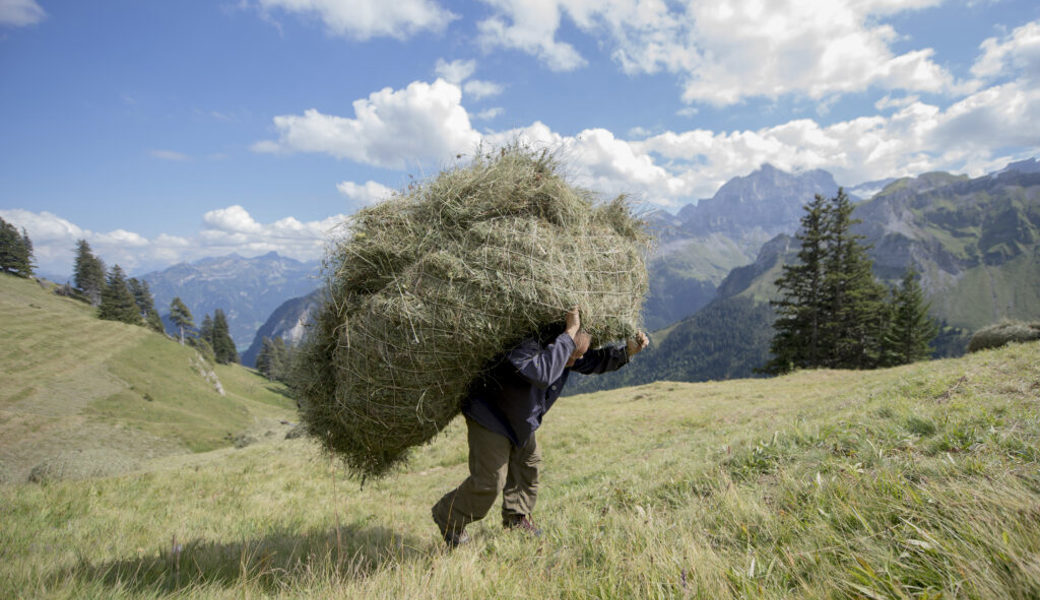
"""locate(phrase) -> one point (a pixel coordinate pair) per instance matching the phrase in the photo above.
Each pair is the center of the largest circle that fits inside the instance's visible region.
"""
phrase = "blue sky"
(167, 131)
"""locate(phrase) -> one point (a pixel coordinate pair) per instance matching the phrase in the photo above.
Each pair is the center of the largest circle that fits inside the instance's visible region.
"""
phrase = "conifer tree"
(273, 360)
(855, 312)
(910, 330)
(16, 253)
(89, 273)
(265, 358)
(145, 304)
(181, 317)
(831, 312)
(801, 308)
(206, 329)
(117, 303)
(223, 346)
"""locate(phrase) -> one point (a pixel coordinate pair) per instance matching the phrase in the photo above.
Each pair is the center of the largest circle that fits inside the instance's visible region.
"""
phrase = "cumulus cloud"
(19, 13)
(225, 230)
(1017, 53)
(390, 128)
(366, 19)
(369, 192)
(726, 52)
(530, 27)
(455, 71)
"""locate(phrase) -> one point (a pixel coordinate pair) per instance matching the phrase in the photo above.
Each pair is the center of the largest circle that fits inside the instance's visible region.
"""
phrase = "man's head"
(582, 341)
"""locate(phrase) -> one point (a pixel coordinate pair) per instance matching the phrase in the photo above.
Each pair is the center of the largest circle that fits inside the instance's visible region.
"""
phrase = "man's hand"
(573, 321)
(637, 345)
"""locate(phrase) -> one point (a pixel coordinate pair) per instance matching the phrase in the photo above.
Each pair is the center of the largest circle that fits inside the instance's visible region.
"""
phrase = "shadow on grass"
(280, 560)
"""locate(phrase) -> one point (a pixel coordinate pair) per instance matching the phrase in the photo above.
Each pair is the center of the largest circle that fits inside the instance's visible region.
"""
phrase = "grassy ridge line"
(91, 397)
(904, 483)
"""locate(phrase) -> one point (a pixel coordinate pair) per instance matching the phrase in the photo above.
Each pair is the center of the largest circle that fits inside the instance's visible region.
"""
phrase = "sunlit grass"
(916, 482)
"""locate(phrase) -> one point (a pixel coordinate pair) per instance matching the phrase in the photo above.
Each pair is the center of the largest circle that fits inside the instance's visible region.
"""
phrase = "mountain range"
(248, 290)
(976, 243)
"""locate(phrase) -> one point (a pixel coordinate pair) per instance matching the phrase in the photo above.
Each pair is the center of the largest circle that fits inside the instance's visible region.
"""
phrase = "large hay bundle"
(439, 279)
(1002, 334)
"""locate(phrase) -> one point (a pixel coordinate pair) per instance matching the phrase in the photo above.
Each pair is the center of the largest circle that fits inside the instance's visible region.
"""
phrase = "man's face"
(581, 346)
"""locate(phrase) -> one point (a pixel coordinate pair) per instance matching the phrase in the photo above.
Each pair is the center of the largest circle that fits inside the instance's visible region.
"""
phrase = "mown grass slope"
(80, 396)
(916, 482)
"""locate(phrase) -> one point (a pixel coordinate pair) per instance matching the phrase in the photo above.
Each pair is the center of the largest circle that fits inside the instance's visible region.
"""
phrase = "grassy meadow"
(916, 482)
(82, 397)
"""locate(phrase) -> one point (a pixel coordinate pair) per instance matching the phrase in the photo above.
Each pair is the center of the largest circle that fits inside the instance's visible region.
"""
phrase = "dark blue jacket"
(520, 386)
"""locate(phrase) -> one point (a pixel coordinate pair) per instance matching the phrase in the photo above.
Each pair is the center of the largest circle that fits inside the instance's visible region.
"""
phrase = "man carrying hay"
(503, 409)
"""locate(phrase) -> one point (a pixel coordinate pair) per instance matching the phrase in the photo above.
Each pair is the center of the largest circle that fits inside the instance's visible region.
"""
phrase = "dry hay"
(1002, 334)
(437, 280)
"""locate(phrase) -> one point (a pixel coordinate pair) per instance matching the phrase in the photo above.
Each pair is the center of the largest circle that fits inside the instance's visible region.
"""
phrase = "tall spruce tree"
(145, 304)
(910, 329)
(181, 317)
(16, 251)
(89, 273)
(273, 359)
(223, 346)
(831, 311)
(206, 329)
(117, 303)
(856, 300)
(801, 309)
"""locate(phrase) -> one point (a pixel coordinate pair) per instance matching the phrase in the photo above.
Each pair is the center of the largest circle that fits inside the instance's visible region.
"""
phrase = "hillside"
(902, 483)
(80, 396)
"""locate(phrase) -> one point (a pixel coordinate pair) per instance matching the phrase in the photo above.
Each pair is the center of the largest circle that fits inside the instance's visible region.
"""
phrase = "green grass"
(98, 397)
(916, 482)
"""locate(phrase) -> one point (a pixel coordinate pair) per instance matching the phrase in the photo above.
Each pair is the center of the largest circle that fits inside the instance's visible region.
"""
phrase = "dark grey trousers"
(495, 464)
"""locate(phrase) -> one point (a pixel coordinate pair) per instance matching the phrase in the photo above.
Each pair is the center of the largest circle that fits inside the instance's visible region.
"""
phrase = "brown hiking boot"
(521, 523)
(454, 536)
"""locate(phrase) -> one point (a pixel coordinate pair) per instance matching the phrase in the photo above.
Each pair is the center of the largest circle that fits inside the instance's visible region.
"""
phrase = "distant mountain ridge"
(976, 243)
(248, 290)
(698, 247)
(289, 321)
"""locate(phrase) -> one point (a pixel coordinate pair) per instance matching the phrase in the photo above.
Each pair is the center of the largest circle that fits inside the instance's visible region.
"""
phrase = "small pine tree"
(910, 330)
(206, 329)
(223, 346)
(117, 303)
(181, 317)
(27, 253)
(265, 357)
(15, 251)
(89, 273)
(146, 304)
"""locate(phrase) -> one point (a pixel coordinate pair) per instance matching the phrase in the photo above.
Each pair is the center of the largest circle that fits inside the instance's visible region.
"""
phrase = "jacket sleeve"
(601, 360)
(542, 366)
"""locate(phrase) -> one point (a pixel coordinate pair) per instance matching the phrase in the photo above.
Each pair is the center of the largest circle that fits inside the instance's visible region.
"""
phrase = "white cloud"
(530, 27)
(479, 90)
(490, 113)
(365, 19)
(726, 52)
(226, 230)
(369, 192)
(170, 155)
(391, 128)
(1018, 52)
(455, 71)
(233, 219)
(19, 13)
(889, 102)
